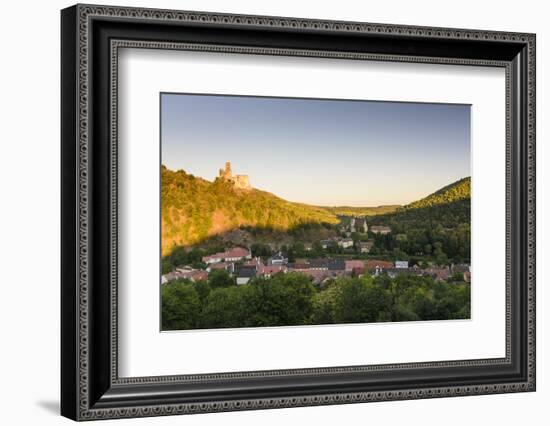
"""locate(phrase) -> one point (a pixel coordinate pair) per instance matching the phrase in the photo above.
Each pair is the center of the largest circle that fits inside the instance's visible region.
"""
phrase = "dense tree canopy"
(292, 299)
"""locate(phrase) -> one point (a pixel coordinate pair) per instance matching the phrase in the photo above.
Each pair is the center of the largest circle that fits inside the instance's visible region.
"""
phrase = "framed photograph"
(263, 212)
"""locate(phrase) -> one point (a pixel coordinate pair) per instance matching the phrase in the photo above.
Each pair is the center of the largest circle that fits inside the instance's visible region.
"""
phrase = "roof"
(231, 253)
(403, 271)
(319, 276)
(318, 263)
(246, 273)
(336, 265)
(460, 268)
(273, 269)
(253, 262)
(198, 275)
(438, 273)
(236, 252)
(298, 265)
(373, 264)
(352, 264)
(358, 271)
(220, 265)
(380, 228)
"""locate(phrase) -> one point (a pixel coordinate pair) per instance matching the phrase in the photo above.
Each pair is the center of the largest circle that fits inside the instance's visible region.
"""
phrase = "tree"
(180, 306)
(225, 307)
(260, 250)
(359, 301)
(220, 278)
(284, 299)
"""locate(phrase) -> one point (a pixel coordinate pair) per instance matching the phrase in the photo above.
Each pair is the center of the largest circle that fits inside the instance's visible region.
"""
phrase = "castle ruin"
(239, 181)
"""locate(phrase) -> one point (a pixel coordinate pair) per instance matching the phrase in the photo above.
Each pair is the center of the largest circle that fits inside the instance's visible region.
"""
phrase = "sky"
(319, 151)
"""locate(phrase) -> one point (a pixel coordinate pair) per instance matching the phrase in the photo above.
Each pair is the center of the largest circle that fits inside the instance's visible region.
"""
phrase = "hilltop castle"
(239, 181)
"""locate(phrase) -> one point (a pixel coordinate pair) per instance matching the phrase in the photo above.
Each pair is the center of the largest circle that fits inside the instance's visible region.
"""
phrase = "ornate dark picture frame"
(90, 386)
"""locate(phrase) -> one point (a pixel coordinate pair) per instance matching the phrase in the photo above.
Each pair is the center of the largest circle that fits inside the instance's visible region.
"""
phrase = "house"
(268, 271)
(383, 230)
(358, 272)
(298, 267)
(345, 243)
(438, 274)
(235, 254)
(460, 268)
(393, 272)
(226, 266)
(318, 264)
(401, 264)
(378, 264)
(245, 275)
(336, 265)
(255, 263)
(365, 246)
(277, 259)
(325, 244)
(198, 276)
(170, 276)
(192, 275)
(350, 265)
(358, 224)
(319, 277)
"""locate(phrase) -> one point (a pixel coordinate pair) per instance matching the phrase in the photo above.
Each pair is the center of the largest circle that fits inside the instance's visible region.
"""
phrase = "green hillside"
(456, 191)
(437, 225)
(194, 209)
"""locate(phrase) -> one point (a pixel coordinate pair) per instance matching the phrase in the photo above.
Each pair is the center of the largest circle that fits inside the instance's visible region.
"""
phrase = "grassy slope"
(194, 209)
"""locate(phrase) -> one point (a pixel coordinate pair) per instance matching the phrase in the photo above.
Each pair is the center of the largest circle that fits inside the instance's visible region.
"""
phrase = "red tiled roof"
(236, 252)
(219, 265)
(199, 275)
(373, 264)
(380, 228)
(358, 271)
(352, 264)
(231, 253)
(273, 269)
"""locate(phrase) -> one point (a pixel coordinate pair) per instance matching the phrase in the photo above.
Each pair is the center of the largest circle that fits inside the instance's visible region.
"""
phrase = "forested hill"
(437, 225)
(456, 191)
(194, 209)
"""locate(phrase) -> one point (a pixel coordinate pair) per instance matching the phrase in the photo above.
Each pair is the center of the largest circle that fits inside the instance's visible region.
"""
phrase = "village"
(242, 266)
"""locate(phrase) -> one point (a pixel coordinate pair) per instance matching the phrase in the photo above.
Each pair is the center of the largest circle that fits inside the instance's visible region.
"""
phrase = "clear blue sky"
(323, 152)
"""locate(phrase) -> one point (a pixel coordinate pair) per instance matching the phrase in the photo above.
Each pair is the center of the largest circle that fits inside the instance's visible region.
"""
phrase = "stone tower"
(239, 181)
(226, 173)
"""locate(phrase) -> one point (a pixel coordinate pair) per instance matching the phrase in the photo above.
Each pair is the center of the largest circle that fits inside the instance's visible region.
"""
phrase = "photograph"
(279, 211)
